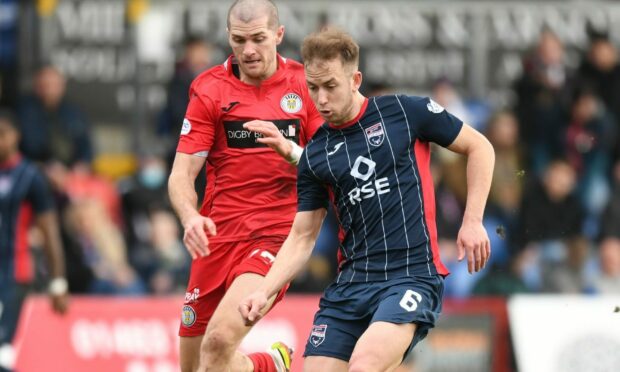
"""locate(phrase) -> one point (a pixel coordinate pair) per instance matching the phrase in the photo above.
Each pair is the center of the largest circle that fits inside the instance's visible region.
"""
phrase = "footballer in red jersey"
(253, 101)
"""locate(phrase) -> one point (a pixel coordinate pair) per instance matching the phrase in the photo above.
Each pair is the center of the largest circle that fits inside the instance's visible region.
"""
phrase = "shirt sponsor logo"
(291, 103)
(188, 316)
(186, 128)
(375, 134)
(317, 336)
(240, 138)
(363, 169)
(434, 107)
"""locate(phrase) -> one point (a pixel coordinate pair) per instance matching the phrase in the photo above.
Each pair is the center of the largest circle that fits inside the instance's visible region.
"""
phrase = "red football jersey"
(251, 190)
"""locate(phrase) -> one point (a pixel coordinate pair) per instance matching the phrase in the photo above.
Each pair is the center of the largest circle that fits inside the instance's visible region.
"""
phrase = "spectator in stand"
(610, 222)
(543, 96)
(101, 241)
(607, 281)
(508, 175)
(141, 194)
(550, 214)
(444, 93)
(53, 129)
(569, 275)
(152, 233)
(195, 59)
(600, 72)
(163, 262)
(549, 209)
(590, 138)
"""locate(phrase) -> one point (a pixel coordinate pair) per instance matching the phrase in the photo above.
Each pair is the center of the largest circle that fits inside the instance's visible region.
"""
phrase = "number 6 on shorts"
(410, 300)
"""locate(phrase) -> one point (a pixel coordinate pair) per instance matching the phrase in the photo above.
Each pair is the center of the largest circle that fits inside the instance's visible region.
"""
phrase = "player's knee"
(365, 363)
(218, 340)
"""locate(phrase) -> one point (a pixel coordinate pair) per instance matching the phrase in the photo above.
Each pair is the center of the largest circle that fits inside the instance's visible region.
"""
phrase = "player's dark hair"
(328, 44)
(248, 10)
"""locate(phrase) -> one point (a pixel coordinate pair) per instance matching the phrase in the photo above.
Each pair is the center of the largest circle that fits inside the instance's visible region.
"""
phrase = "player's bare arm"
(472, 240)
(58, 288)
(272, 137)
(184, 200)
(290, 260)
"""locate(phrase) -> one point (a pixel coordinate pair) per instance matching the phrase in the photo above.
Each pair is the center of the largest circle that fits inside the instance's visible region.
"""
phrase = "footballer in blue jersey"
(25, 197)
(371, 159)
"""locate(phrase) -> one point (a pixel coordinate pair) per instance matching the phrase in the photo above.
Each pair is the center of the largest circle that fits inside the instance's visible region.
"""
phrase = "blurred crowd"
(553, 214)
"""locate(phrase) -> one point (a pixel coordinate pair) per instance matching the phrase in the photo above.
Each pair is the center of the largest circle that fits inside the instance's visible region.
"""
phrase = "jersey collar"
(355, 120)
(10, 162)
(276, 77)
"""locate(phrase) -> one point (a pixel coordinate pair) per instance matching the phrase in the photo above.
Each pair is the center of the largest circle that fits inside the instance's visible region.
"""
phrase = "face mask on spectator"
(152, 176)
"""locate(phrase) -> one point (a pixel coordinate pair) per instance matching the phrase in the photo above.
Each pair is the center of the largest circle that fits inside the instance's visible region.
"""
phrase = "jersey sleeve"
(40, 194)
(198, 130)
(430, 121)
(311, 192)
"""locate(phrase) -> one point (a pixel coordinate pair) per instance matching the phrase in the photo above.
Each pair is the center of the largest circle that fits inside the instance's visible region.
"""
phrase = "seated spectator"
(543, 95)
(506, 189)
(550, 215)
(589, 141)
(569, 275)
(53, 129)
(141, 194)
(600, 70)
(503, 280)
(607, 280)
(162, 261)
(610, 221)
(550, 209)
(101, 241)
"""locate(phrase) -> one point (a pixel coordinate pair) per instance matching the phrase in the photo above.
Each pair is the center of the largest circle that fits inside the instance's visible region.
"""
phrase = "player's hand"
(473, 242)
(60, 303)
(271, 136)
(251, 308)
(195, 235)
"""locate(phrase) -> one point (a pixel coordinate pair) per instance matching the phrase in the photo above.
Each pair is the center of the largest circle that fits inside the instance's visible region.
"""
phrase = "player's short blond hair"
(328, 44)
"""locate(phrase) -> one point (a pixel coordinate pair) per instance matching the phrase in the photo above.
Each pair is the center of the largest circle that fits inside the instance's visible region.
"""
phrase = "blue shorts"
(346, 310)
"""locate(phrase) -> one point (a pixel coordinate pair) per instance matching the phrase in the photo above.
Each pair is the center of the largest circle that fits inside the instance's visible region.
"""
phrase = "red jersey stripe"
(423, 159)
(23, 260)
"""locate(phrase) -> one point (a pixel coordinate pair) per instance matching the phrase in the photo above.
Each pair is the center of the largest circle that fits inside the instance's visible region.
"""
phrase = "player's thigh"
(227, 320)
(189, 351)
(324, 364)
(394, 339)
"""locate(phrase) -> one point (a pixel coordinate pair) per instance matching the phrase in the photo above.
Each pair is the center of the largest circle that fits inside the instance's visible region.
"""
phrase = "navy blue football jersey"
(376, 171)
(24, 192)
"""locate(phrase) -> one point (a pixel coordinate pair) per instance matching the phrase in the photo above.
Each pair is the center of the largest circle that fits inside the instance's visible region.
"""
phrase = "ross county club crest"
(318, 334)
(291, 103)
(375, 134)
(188, 316)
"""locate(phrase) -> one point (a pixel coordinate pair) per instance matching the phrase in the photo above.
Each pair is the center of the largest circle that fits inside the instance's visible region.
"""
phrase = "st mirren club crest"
(318, 334)
(188, 316)
(291, 103)
(375, 134)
